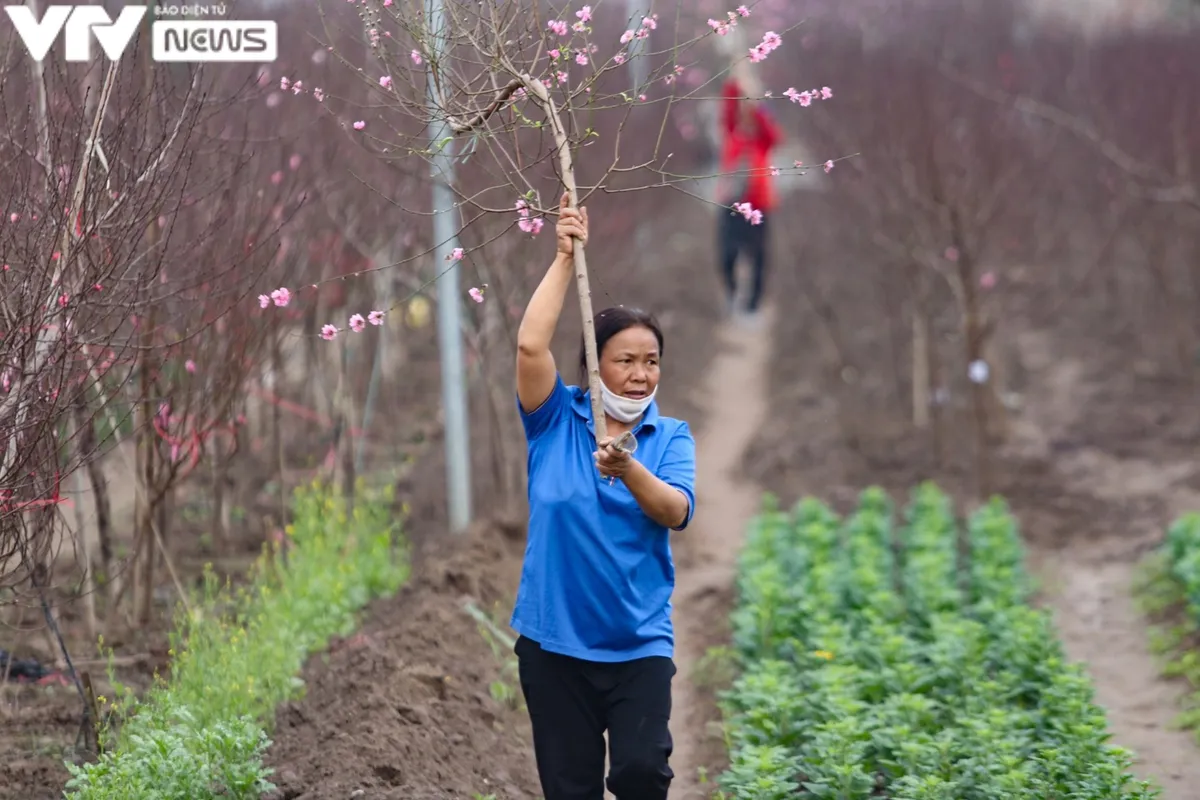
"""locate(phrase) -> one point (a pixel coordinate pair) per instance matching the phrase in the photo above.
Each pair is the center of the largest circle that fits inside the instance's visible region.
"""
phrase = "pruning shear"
(625, 443)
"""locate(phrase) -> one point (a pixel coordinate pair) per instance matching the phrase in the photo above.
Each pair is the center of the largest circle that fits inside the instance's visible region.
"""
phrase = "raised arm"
(536, 372)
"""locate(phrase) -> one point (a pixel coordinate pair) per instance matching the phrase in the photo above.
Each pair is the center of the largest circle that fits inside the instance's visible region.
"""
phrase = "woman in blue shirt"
(594, 606)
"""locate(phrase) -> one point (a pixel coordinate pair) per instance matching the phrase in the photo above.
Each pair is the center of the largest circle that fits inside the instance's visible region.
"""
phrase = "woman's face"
(629, 362)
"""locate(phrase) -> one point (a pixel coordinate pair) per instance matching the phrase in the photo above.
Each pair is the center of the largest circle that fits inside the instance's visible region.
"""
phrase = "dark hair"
(609, 323)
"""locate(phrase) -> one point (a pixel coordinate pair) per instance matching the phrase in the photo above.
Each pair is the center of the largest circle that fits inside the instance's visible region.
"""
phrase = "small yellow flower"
(825, 654)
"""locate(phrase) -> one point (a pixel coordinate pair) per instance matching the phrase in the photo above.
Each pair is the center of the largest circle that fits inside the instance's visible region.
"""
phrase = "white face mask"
(625, 409)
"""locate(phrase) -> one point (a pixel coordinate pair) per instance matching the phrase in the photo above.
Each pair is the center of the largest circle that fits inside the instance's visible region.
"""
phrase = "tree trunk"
(147, 468)
(938, 411)
(277, 427)
(921, 379)
(94, 466)
(163, 511)
(973, 340)
(147, 553)
(218, 468)
(85, 446)
(498, 354)
(927, 406)
(345, 422)
(975, 332)
(147, 441)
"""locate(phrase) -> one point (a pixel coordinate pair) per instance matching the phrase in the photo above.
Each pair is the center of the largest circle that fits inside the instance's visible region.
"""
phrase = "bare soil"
(403, 709)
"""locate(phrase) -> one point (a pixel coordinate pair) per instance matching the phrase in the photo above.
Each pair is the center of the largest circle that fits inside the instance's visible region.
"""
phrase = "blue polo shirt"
(598, 574)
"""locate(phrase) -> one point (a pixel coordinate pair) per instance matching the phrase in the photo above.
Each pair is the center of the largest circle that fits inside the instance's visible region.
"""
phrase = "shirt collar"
(583, 407)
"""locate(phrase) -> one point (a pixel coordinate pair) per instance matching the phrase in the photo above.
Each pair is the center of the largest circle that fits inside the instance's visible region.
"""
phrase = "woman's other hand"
(572, 224)
(611, 462)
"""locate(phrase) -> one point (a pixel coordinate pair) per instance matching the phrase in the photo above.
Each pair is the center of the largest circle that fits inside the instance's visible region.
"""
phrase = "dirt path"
(1101, 627)
(736, 395)
(1087, 579)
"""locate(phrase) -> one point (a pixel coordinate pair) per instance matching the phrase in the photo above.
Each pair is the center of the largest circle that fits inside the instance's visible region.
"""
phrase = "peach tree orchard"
(513, 103)
(118, 270)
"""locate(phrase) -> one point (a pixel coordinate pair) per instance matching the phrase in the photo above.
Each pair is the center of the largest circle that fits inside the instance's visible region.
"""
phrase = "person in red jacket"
(749, 134)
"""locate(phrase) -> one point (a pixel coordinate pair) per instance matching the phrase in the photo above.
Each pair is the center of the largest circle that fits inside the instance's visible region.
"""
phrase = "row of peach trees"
(1007, 166)
(120, 362)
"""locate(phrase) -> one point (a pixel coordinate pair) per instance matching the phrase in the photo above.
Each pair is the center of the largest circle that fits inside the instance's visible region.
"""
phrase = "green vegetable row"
(903, 661)
(202, 734)
(1169, 593)
(1182, 550)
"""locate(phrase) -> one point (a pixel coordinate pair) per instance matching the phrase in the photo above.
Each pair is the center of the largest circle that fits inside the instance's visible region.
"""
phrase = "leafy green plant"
(1167, 587)
(201, 734)
(904, 662)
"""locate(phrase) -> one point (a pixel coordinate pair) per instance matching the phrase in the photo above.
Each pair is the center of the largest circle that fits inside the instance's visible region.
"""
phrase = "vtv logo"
(81, 22)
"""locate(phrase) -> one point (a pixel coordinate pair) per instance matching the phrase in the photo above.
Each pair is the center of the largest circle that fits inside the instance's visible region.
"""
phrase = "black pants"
(572, 702)
(736, 236)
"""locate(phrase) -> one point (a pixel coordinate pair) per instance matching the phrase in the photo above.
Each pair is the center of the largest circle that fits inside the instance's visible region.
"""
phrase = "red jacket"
(747, 150)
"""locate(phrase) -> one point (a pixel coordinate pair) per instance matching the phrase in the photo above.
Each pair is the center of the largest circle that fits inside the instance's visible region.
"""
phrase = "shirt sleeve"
(544, 417)
(678, 467)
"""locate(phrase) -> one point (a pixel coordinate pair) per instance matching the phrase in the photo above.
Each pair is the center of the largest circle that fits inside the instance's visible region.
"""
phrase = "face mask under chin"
(625, 409)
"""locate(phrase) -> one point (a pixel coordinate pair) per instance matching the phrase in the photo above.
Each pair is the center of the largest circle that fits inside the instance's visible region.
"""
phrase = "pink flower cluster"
(760, 51)
(754, 215)
(806, 97)
(723, 27)
(298, 87)
(357, 324)
(585, 16)
(649, 24)
(282, 296)
(531, 225)
(804, 169)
